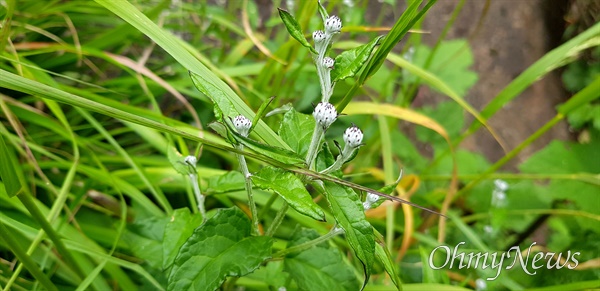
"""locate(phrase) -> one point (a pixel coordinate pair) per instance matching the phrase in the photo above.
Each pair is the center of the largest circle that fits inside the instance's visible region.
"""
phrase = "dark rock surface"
(513, 35)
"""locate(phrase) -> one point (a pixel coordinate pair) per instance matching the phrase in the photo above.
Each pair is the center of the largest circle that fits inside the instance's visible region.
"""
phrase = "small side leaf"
(178, 161)
(383, 255)
(323, 11)
(179, 228)
(296, 130)
(348, 63)
(277, 153)
(223, 107)
(320, 267)
(349, 213)
(261, 112)
(290, 188)
(294, 29)
(221, 247)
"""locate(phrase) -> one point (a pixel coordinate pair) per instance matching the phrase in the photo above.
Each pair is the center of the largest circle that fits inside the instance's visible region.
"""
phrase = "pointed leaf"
(294, 29)
(223, 107)
(179, 228)
(261, 112)
(221, 247)
(323, 11)
(178, 161)
(349, 213)
(290, 188)
(384, 256)
(348, 63)
(320, 267)
(9, 169)
(277, 153)
(296, 130)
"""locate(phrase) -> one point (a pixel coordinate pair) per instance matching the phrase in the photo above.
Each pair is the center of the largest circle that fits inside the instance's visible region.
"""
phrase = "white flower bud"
(191, 160)
(353, 136)
(333, 24)
(328, 62)
(371, 199)
(318, 36)
(242, 125)
(501, 185)
(325, 114)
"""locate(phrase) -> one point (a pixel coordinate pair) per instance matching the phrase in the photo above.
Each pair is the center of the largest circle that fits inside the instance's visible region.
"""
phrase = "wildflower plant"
(307, 161)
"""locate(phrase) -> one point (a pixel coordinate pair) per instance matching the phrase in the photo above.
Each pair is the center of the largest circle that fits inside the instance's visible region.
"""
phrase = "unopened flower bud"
(333, 24)
(191, 160)
(242, 125)
(371, 199)
(325, 114)
(353, 136)
(328, 62)
(318, 36)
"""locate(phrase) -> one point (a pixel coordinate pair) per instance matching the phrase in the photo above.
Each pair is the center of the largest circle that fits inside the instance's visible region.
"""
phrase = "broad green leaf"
(320, 267)
(8, 169)
(221, 247)
(296, 130)
(294, 29)
(570, 158)
(290, 188)
(384, 256)
(348, 63)
(179, 228)
(230, 181)
(349, 213)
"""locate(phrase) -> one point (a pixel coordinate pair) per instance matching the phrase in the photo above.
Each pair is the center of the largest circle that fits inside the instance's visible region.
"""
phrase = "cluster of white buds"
(333, 24)
(353, 136)
(318, 36)
(242, 125)
(328, 62)
(370, 200)
(325, 114)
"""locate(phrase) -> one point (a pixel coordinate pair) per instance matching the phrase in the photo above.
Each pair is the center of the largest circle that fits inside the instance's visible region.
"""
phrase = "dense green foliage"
(123, 167)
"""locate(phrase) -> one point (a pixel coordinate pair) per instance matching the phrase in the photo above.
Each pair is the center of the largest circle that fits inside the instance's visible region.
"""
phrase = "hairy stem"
(315, 143)
(247, 177)
(278, 219)
(199, 196)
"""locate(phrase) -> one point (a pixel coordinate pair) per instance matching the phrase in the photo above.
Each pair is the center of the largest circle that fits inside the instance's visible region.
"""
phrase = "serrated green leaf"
(230, 181)
(384, 256)
(277, 153)
(223, 107)
(294, 29)
(290, 188)
(349, 213)
(179, 228)
(8, 169)
(221, 247)
(296, 130)
(320, 267)
(348, 63)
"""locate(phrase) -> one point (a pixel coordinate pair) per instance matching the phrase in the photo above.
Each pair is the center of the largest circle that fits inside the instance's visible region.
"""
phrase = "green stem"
(304, 246)
(315, 142)
(199, 196)
(278, 219)
(248, 184)
(26, 260)
(346, 153)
